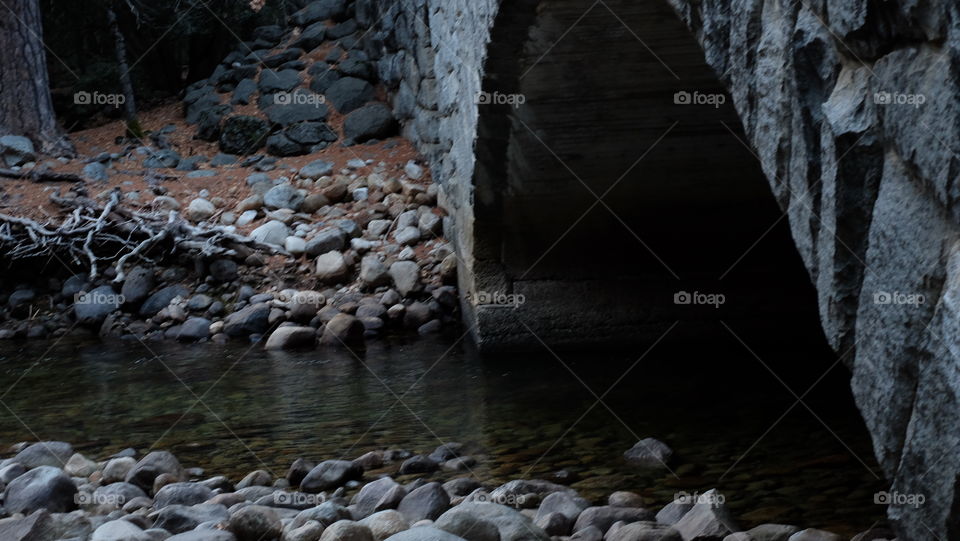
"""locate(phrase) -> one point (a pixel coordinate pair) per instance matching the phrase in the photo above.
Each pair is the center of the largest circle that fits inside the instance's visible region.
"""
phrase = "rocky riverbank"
(52, 493)
(355, 254)
(301, 215)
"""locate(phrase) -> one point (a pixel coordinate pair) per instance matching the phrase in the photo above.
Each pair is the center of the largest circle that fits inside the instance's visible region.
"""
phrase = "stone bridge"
(601, 157)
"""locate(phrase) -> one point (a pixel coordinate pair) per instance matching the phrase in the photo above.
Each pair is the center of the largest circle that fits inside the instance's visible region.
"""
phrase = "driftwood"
(92, 233)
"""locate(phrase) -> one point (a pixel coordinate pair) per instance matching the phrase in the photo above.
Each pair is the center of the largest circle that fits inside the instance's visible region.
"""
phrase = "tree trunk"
(126, 83)
(25, 104)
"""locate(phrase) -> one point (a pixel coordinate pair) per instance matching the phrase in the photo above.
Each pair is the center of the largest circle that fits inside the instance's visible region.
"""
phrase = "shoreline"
(128, 497)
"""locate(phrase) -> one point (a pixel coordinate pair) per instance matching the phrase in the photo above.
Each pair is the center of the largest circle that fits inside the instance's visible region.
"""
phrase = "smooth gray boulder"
(182, 518)
(706, 519)
(44, 453)
(152, 465)
(44, 487)
(512, 525)
(425, 503)
(28, 528)
(330, 474)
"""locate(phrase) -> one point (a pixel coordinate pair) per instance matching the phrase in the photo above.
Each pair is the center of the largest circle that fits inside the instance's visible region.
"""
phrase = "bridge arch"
(611, 172)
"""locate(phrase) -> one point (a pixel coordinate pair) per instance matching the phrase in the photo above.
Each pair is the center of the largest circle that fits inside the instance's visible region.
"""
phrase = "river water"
(231, 409)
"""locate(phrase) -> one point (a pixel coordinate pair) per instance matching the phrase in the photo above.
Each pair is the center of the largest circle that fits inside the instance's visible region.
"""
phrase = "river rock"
(706, 519)
(566, 503)
(137, 285)
(349, 93)
(372, 121)
(44, 453)
(424, 533)
(95, 172)
(43, 487)
(256, 478)
(116, 469)
(316, 169)
(181, 494)
(200, 535)
(193, 330)
(326, 240)
(330, 474)
(623, 498)
(180, 518)
(343, 329)
(470, 527)
(326, 514)
(461, 486)
(224, 270)
(253, 319)
(311, 531)
(649, 453)
(365, 501)
(16, 150)
(151, 466)
(79, 466)
(29, 528)
(514, 491)
(427, 502)
(555, 524)
(406, 276)
(199, 210)
(384, 524)
(304, 305)
(813, 534)
(346, 530)
(92, 307)
(255, 523)
(242, 135)
(513, 526)
(161, 299)
(289, 114)
(273, 232)
(331, 267)
(419, 464)
(283, 196)
(604, 516)
(373, 273)
(643, 531)
(290, 337)
(120, 530)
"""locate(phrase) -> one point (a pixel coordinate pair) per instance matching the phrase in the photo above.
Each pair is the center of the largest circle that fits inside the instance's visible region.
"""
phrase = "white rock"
(408, 235)
(200, 209)
(272, 232)
(413, 170)
(247, 218)
(331, 266)
(295, 245)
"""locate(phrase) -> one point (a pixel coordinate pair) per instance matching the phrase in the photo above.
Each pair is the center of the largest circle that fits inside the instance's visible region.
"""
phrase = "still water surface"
(232, 409)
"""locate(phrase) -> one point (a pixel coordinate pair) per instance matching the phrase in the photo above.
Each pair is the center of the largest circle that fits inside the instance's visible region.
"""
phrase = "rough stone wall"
(431, 55)
(870, 185)
(828, 94)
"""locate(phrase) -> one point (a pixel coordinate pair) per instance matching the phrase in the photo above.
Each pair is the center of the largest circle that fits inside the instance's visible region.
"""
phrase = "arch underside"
(598, 197)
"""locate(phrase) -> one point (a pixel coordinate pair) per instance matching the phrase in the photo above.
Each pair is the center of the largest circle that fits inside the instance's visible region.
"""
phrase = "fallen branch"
(92, 233)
